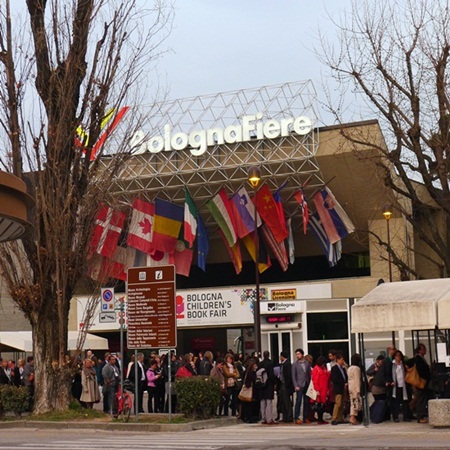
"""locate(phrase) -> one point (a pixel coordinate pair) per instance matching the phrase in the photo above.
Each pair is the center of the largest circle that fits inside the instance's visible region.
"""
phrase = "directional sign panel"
(107, 317)
(151, 307)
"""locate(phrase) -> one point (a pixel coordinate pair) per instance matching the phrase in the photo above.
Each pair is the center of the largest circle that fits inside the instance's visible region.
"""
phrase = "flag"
(140, 233)
(166, 225)
(282, 221)
(244, 213)
(220, 208)
(190, 218)
(269, 211)
(278, 248)
(234, 252)
(182, 257)
(332, 251)
(98, 268)
(158, 258)
(202, 244)
(107, 229)
(122, 260)
(263, 258)
(291, 248)
(334, 219)
(300, 197)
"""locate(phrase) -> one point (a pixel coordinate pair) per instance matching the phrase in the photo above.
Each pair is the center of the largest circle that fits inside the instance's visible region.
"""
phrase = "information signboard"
(151, 307)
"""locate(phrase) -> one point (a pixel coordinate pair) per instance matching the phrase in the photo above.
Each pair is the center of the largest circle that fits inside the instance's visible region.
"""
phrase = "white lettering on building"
(252, 126)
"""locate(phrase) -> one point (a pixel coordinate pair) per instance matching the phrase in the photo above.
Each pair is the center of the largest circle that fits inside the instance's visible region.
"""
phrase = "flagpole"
(254, 177)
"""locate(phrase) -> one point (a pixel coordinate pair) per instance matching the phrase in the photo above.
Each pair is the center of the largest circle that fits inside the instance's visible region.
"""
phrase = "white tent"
(405, 305)
(22, 341)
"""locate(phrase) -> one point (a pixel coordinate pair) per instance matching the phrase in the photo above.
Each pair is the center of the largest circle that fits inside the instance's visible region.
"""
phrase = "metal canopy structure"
(289, 159)
(404, 305)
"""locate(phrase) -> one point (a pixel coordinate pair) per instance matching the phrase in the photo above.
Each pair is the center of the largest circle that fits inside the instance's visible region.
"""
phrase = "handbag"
(311, 392)
(412, 377)
(246, 394)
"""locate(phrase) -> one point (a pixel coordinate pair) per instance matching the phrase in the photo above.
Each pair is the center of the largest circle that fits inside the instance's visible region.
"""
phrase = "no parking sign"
(107, 298)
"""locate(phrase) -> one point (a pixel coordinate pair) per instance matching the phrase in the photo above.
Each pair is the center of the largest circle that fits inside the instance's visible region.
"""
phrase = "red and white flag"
(159, 259)
(140, 233)
(108, 226)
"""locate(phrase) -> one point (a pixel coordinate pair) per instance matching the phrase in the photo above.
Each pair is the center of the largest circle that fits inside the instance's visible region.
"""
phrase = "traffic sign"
(107, 317)
(151, 307)
(107, 299)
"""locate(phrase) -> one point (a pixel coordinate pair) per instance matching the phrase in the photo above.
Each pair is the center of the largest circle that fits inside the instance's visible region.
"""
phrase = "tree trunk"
(53, 373)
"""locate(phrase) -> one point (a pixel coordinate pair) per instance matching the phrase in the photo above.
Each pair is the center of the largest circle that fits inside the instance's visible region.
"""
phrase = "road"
(409, 436)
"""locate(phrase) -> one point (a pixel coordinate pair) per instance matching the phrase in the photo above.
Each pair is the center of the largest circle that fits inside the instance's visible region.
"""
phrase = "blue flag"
(202, 244)
(332, 251)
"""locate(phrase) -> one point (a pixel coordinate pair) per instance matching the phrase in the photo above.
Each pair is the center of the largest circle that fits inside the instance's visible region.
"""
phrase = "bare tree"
(395, 55)
(63, 70)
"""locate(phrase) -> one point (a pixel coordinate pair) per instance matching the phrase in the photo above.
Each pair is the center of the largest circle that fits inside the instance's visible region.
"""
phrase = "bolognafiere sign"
(151, 307)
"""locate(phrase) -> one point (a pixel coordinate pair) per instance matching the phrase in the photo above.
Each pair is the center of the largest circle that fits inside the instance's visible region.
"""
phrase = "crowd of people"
(305, 390)
(18, 374)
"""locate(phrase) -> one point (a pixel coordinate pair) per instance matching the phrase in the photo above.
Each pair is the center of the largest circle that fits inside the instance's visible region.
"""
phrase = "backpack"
(261, 378)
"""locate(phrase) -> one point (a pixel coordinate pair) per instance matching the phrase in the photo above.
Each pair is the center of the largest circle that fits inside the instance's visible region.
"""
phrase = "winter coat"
(321, 379)
(90, 392)
(268, 391)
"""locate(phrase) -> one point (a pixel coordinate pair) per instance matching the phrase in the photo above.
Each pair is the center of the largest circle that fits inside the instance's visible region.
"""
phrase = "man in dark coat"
(286, 387)
(267, 393)
(340, 388)
(421, 395)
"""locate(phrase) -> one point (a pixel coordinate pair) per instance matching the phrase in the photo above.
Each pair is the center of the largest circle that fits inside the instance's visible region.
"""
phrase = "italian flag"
(190, 219)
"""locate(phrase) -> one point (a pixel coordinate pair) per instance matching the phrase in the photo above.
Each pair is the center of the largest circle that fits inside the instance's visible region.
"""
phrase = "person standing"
(140, 382)
(267, 393)
(28, 379)
(18, 373)
(301, 377)
(231, 375)
(354, 387)
(90, 393)
(5, 374)
(217, 374)
(286, 387)
(320, 377)
(153, 375)
(339, 379)
(423, 369)
(111, 379)
(399, 388)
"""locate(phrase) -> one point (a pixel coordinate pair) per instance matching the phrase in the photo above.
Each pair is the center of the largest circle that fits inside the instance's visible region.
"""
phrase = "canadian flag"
(140, 233)
(108, 226)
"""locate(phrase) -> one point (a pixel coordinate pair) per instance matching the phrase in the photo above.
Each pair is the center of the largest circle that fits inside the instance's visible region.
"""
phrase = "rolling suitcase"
(378, 411)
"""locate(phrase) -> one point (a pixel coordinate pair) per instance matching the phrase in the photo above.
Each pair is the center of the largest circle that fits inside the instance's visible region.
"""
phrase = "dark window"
(327, 326)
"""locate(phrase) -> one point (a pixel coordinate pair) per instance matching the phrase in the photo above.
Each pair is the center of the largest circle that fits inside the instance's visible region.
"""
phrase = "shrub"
(198, 397)
(14, 399)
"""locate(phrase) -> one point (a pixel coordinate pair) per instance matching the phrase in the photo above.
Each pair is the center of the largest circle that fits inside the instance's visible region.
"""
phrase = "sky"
(221, 46)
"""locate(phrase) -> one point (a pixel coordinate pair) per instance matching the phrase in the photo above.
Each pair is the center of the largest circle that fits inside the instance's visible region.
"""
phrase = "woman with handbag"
(217, 375)
(231, 374)
(399, 388)
(249, 405)
(354, 387)
(320, 378)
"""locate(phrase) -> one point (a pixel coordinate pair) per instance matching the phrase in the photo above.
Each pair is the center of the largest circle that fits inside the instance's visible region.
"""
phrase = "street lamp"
(387, 213)
(254, 177)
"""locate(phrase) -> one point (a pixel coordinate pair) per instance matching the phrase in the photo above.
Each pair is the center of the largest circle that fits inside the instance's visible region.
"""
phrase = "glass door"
(280, 341)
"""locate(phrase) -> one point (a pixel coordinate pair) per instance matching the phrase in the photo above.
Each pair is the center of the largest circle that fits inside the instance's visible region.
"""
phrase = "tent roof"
(405, 305)
(22, 341)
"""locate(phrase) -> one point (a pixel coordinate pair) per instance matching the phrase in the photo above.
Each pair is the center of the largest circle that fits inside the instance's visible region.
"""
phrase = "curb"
(121, 426)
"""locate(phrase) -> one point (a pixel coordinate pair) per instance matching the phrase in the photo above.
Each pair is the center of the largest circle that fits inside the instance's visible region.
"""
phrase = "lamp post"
(254, 177)
(387, 213)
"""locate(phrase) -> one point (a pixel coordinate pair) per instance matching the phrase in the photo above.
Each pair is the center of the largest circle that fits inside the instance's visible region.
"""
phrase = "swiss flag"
(108, 226)
(140, 233)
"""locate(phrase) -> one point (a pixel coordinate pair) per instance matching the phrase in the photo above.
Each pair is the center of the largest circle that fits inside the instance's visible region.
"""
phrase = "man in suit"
(301, 377)
(5, 377)
(111, 381)
(286, 387)
(340, 389)
(140, 382)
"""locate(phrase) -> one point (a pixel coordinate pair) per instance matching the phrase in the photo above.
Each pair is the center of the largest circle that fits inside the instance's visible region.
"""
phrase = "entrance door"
(280, 341)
